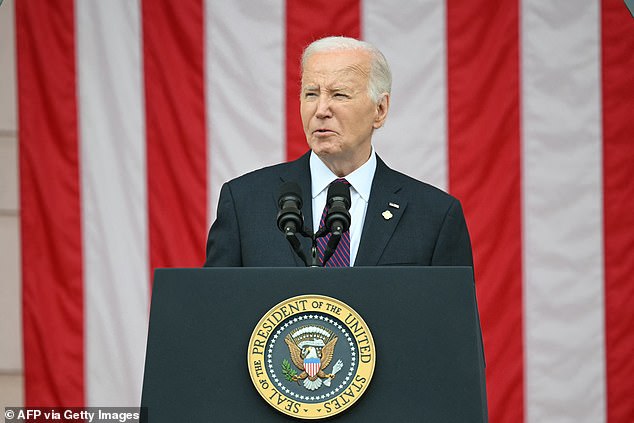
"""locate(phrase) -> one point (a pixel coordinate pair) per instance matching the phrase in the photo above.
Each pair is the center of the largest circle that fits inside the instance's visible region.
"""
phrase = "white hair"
(380, 80)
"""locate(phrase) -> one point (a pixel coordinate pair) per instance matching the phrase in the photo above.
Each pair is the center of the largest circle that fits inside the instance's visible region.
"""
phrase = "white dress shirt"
(360, 186)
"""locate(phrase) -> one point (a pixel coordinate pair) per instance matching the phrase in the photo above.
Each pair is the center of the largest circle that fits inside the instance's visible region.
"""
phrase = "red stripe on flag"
(618, 198)
(173, 40)
(52, 285)
(484, 173)
(307, 22)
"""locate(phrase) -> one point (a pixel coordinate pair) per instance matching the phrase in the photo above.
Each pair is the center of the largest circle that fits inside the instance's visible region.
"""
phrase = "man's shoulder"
(269, 174)
(260, 174)
(416, 189)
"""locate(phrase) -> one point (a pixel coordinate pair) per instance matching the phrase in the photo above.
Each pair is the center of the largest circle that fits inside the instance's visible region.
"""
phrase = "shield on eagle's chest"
(312, 365)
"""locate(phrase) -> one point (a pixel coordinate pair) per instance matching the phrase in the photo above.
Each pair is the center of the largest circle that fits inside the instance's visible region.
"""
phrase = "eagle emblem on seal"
(312, 348)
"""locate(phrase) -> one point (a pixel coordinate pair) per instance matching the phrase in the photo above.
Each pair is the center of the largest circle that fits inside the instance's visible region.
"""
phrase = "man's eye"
(341, 95)
(307, 95)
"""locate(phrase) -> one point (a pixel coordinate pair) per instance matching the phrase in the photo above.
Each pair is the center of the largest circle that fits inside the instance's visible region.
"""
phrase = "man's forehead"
(338, 61)
(333, 80)
(346, 66)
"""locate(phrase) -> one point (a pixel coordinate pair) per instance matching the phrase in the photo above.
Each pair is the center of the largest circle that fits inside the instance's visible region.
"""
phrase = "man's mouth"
(324, 131)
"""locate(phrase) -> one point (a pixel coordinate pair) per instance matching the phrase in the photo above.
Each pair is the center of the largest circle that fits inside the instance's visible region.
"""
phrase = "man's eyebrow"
(332, 89)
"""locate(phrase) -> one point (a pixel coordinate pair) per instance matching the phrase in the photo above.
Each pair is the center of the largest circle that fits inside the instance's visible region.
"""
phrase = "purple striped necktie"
(341, 256)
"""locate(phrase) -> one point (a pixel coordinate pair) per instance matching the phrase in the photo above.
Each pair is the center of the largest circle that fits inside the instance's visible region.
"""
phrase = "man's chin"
(325, 145)
(327, 153)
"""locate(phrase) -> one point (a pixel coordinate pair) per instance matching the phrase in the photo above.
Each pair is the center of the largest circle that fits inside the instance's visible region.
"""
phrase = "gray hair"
(380, 80)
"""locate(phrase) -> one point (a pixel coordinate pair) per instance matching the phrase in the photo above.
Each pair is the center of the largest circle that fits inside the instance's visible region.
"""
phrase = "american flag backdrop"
(132, 113)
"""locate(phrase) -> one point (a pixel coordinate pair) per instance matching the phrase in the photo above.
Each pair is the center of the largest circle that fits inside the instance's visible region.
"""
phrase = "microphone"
(290, 219)
(337, 219)
(338, 199)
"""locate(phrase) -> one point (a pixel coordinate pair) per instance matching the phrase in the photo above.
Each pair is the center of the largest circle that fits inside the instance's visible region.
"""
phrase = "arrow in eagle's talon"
(335, 369)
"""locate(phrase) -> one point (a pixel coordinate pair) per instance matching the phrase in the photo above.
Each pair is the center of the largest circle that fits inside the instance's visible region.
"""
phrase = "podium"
(424, 321)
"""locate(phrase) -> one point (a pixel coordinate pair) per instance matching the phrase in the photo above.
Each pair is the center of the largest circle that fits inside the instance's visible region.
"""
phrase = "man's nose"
(323, 107)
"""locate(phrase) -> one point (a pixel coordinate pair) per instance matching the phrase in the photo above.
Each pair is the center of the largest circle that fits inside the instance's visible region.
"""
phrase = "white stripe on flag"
(112, 144)
(563, 208)
(413, 39)
(245, 89)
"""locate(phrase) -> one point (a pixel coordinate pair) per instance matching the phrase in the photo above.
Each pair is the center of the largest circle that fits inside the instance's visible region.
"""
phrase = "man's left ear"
(381, 110)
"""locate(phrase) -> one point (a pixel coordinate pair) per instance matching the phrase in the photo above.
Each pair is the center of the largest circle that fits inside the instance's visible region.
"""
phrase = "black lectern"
(424, 321)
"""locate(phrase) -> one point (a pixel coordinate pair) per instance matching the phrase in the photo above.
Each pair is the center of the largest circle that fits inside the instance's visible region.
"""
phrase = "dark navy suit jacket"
(427, 229)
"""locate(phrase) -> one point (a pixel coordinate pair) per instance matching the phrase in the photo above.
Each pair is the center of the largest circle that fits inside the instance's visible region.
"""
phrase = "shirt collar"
(360, 179)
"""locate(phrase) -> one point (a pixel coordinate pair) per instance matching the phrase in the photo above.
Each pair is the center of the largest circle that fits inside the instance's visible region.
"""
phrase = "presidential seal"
(311, 357)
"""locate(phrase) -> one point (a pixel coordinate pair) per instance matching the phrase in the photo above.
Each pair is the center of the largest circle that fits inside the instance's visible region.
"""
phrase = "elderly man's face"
(337, 113)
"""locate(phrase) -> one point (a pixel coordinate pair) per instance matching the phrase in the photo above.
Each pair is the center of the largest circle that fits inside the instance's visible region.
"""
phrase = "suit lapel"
(385, 208)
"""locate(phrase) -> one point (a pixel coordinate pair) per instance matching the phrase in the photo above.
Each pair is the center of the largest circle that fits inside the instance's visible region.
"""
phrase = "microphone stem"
(297, 247)
(314, 256)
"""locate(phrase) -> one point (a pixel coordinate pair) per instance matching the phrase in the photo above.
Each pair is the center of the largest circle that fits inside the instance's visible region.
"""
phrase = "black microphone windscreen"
(340, 189)
(290, 189)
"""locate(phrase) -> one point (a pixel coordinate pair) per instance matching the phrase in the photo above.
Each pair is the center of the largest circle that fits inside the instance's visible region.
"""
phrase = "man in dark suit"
(396, 220)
